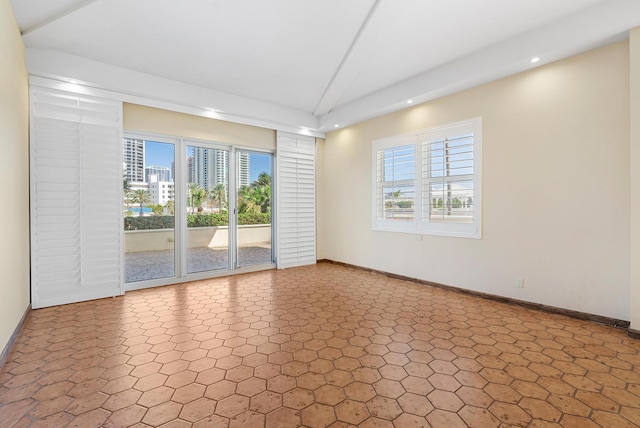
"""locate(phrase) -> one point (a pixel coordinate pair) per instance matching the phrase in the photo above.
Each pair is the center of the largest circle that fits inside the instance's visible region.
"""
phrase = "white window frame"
(421, 223)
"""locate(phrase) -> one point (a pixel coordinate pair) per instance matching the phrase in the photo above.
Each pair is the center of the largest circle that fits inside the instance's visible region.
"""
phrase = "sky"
(258, 163)
(162, 154)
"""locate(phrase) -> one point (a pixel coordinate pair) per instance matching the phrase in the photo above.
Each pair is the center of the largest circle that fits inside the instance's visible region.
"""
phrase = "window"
(429, 181)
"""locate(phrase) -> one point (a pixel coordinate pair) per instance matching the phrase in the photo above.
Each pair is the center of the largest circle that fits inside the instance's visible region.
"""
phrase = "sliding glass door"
(149, 210)
(184, 218)
(207, 171)
(254, 207)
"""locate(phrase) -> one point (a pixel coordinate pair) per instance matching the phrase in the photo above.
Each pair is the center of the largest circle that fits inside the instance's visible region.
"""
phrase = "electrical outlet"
(519, 282)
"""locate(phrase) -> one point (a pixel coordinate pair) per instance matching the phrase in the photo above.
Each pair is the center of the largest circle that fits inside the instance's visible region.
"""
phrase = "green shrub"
(147, 223)
(193, 220)
(207, 220)
(254, 218)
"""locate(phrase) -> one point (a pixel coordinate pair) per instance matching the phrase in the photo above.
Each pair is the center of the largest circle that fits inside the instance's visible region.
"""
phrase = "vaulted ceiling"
(306, 64)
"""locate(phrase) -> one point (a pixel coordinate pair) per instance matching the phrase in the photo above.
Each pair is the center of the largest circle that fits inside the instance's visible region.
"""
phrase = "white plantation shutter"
(451, 164)
(430, 181)
(296, 207)
(449, 178)
(76, 186)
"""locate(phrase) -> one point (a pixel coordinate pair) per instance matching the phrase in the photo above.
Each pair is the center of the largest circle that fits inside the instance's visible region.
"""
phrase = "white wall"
(555, 189)
(14, 173)
(164, 122)
(634, 56)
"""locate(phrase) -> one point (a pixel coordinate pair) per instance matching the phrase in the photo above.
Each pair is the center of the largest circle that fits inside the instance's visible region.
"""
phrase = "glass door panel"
(207, 209)
(149, 234)
(254, 233)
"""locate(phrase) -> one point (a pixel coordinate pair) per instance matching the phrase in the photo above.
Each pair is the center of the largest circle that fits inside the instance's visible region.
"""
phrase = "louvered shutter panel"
(76, 185)
(296, 200)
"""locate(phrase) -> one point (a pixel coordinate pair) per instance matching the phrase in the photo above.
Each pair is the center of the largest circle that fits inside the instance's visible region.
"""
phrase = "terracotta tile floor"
(316, 346)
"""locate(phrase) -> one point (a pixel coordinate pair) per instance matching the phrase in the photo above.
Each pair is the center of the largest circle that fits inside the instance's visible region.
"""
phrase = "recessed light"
(409, 101)
(534, 60)
(336, 126)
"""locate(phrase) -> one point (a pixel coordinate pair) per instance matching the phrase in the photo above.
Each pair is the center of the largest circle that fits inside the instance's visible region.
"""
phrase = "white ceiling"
(306, 63)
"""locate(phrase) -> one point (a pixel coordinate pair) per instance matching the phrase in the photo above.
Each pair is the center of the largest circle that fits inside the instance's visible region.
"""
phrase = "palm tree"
(192, 189)
(127, 198)
(198, 197)
(218, 195)
(171, 206)
(262, 198)
(263, 180)
(246, 202)
(261, 192)
(141, 197)
(394, 196)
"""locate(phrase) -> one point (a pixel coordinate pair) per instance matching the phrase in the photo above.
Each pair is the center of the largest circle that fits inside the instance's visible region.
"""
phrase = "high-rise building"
(243, 169)
(207, 167)
(162, 173)
(210, 167)
(202, 167)
(133, 157)
(191, 173)
(221, 169)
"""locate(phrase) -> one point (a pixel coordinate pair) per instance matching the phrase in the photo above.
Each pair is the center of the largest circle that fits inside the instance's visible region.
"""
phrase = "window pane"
(399, 163)
(207, 209)
(254, 208)
(398, 202)
(450, 201)
(396, 173)
(149, 210)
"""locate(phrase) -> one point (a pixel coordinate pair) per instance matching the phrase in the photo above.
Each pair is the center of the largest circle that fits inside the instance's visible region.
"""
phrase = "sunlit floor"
(315, 346)
(145, 265)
